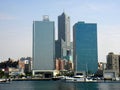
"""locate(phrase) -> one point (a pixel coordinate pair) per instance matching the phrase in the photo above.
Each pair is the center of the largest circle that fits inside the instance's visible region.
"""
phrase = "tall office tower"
(85, 47)
(63, 43)
(64, 28)
(43, 45)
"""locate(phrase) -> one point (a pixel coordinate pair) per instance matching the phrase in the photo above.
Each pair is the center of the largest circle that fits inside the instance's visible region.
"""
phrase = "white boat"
(58, 78)
(89, 79)
(79, 78)
(69, 79)
(5, 80)
(76, 78)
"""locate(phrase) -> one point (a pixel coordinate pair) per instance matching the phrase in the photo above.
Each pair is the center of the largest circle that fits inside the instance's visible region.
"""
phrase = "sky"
(17, 16)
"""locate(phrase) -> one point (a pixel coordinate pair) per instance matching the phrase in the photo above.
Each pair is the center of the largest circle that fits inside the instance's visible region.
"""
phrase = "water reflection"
(86, 86)
(65, 86)
(77, 86)
(109, 86)
(58, 85)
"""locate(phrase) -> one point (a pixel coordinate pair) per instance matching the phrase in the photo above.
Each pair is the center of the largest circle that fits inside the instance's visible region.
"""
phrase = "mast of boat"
(86, 70)
(75, 65)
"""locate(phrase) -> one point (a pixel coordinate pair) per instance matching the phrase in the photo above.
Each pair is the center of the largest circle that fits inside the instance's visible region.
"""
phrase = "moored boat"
(78, 78)
(5, 80)
(58, 78)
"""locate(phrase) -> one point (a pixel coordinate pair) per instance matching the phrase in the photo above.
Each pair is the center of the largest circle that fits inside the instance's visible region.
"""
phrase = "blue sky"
(16, 18)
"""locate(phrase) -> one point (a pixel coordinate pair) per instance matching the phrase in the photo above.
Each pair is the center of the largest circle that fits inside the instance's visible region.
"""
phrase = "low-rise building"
(109, 75)
(63, 64)
(102, 66)
(45, 73)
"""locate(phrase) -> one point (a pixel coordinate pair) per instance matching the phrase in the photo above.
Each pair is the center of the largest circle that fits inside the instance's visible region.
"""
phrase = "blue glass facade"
(85, 47)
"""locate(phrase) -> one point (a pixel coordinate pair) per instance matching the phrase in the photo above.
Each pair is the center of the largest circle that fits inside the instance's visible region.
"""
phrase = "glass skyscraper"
(43, 45)
(63, 44)
(64, 28)
(85, 47)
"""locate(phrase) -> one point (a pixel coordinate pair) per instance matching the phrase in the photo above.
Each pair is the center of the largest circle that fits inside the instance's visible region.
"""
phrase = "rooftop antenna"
(63, 10)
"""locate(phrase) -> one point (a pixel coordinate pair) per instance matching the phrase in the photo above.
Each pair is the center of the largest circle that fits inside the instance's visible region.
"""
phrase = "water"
(58, 85)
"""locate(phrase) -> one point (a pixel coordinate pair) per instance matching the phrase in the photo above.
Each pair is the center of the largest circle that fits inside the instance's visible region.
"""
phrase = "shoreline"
(49, 79)
(33, 79)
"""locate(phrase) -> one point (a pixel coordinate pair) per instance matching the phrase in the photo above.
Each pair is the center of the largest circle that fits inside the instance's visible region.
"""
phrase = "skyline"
(16, 19)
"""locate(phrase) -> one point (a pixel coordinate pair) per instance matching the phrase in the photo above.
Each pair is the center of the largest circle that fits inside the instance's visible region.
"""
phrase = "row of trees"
(9, 63)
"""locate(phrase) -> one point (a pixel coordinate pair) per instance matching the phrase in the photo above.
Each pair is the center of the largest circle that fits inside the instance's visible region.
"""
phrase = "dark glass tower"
(63, 45)
(64, 28)
(85, 47)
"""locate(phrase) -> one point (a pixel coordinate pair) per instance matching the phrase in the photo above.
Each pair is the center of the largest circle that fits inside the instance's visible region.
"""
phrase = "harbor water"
(58, 85)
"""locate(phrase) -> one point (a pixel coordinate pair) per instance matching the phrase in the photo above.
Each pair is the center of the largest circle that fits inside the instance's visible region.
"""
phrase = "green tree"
(1, 73)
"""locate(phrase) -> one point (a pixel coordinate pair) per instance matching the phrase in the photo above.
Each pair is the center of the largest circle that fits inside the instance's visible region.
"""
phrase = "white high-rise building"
(43, 46)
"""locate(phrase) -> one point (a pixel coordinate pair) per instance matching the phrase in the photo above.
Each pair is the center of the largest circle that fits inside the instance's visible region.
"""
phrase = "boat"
(79, 77)
(2, 80)
(76, 78)
(69, 79)
(58, 78)
(5, 80)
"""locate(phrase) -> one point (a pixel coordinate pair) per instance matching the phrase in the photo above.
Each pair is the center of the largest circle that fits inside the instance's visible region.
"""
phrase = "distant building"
(43, 47)
(63, 44)
(62, 65)
(25, 64)
(113, 62)
(21, 66)
(109, 75)
(85, 47)
(69, 65)
(64, 28)
(14, 72)
(102, 66)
